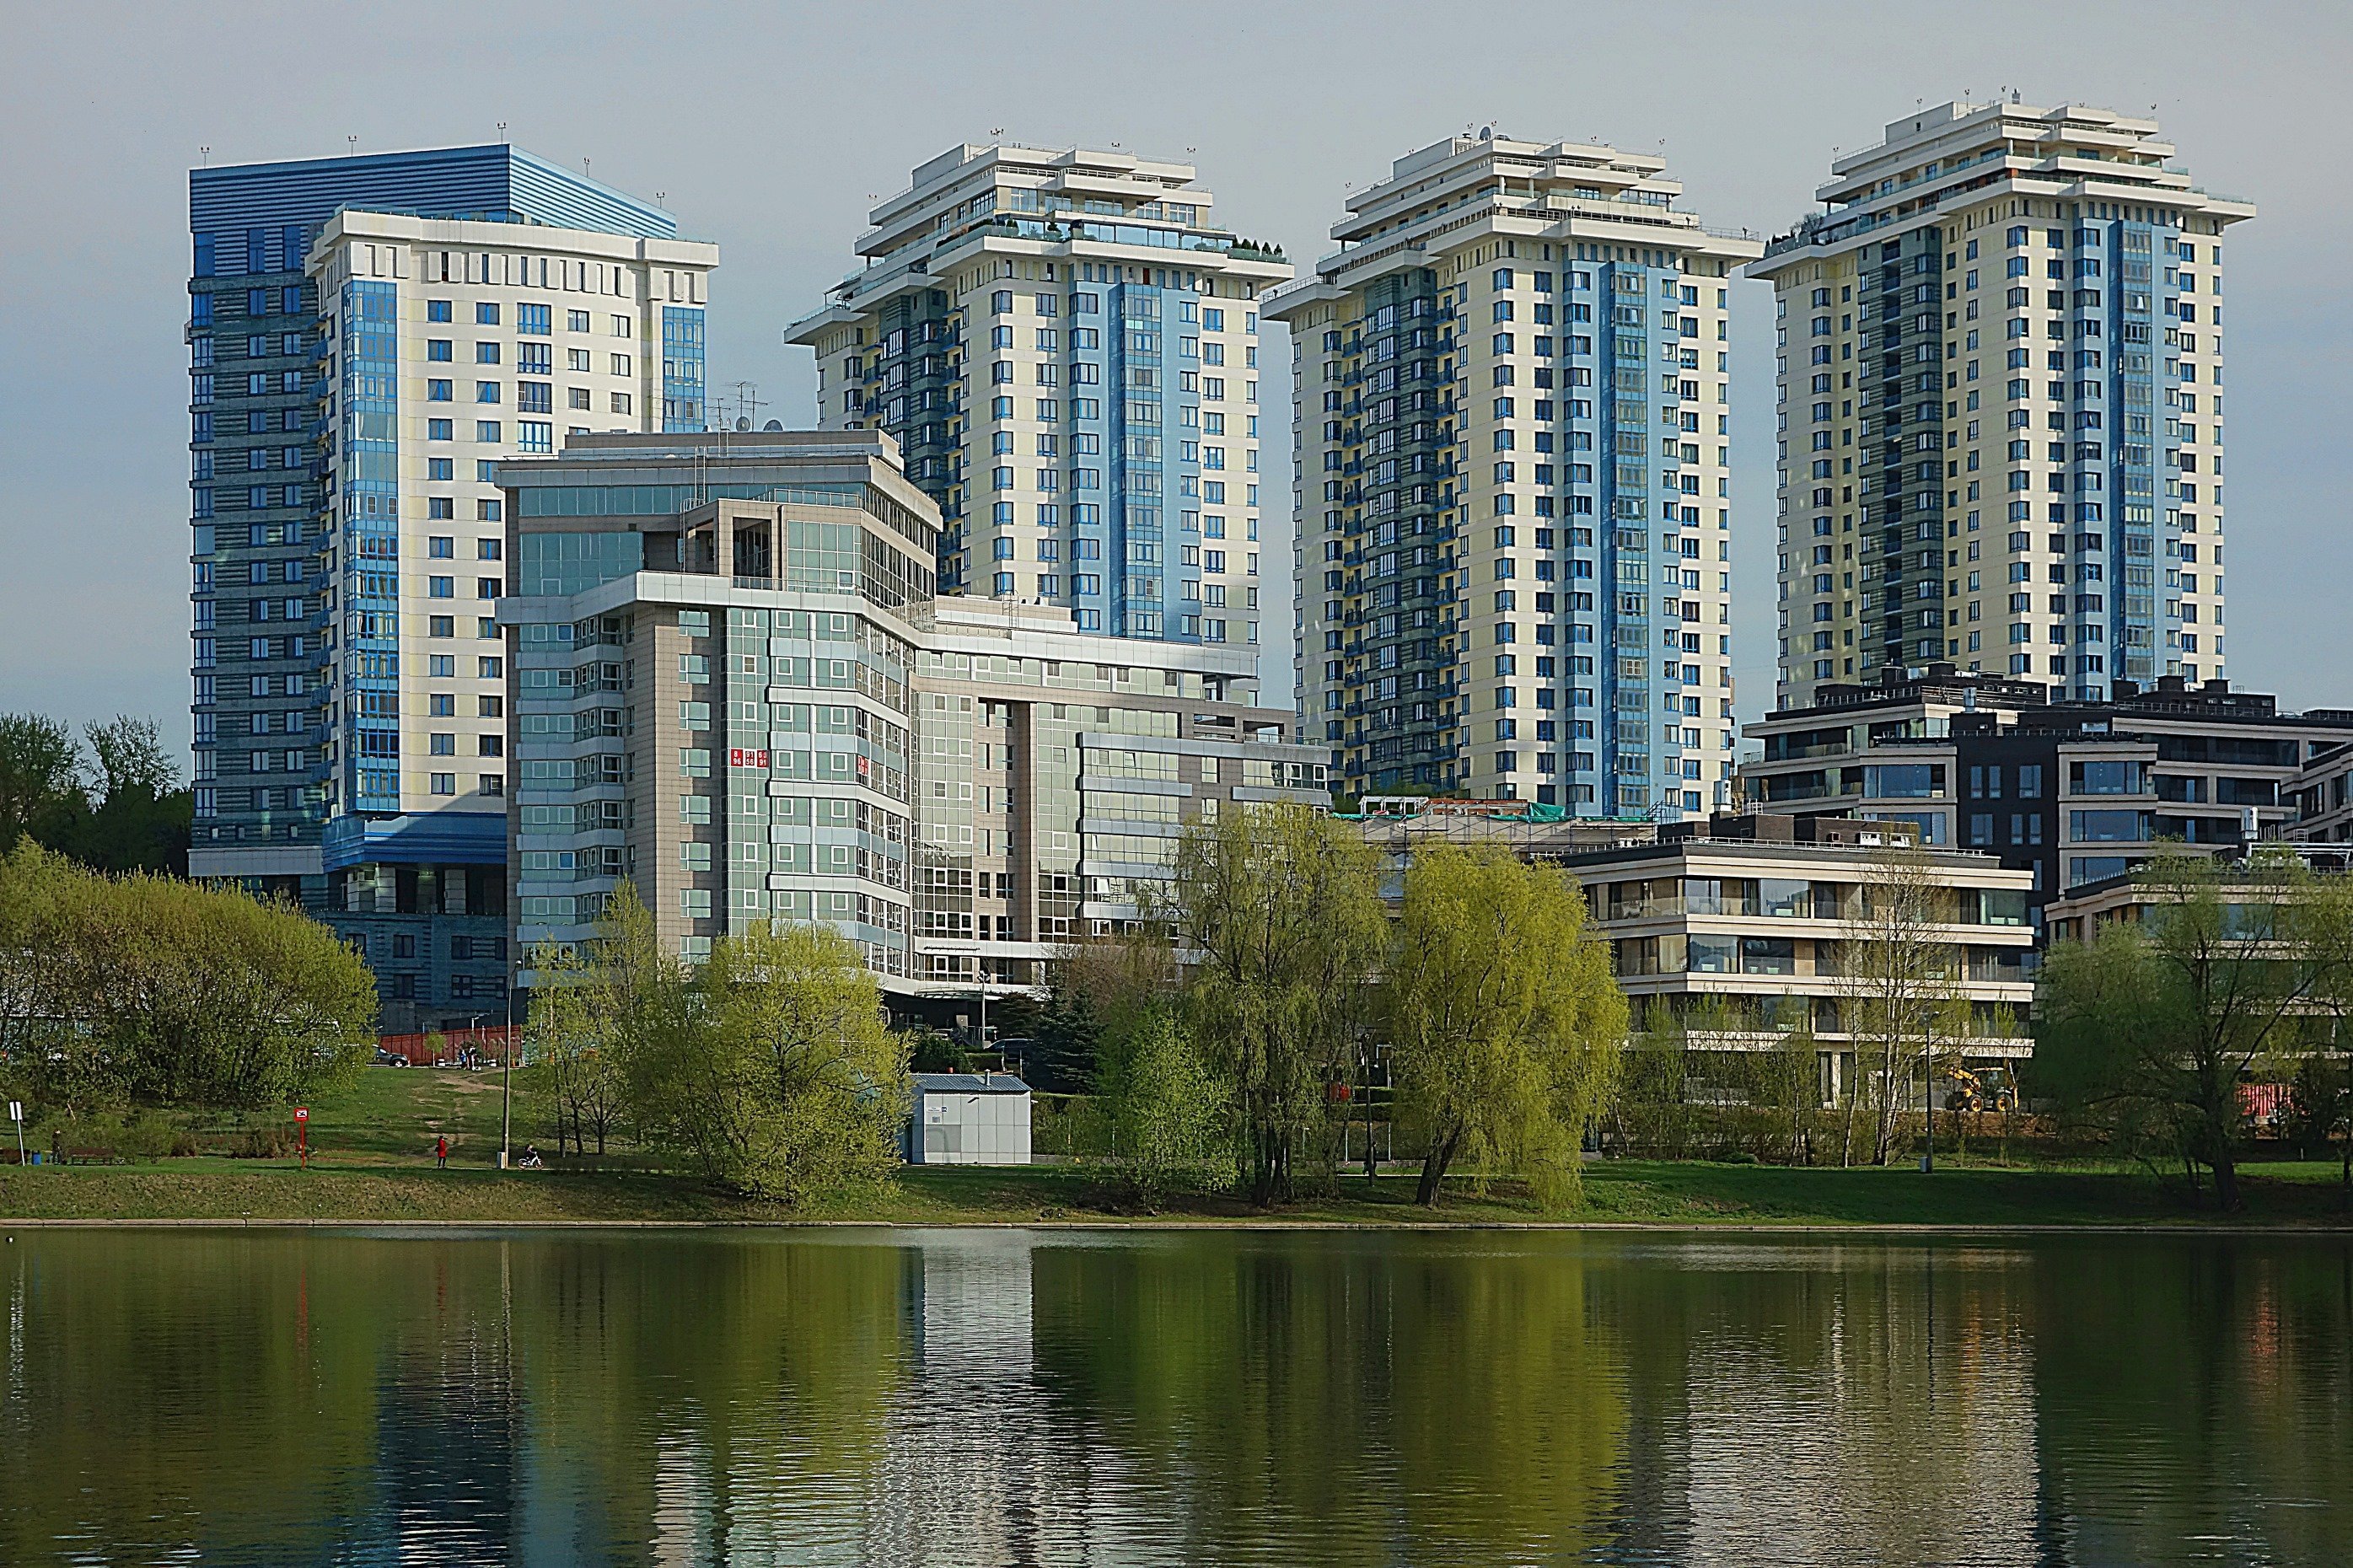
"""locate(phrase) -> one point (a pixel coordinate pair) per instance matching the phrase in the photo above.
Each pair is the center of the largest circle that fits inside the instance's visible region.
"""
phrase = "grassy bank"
(1627, 1192)
(372, 1140)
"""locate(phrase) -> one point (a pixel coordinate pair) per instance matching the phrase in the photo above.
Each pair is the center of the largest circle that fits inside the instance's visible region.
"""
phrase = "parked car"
(385, 1058)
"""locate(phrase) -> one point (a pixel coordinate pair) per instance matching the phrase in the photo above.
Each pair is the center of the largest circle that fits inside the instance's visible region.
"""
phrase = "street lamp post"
(1928, 1076)
(506, 1085)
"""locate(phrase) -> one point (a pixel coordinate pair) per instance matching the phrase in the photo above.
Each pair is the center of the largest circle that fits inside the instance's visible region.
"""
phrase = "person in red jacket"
(441, 1151)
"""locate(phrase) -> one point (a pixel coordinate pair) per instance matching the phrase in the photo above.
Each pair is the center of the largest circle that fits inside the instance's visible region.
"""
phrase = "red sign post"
(302, 1133)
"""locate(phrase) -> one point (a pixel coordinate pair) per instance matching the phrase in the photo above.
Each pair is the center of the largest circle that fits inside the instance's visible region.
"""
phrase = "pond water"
(1168, 1397)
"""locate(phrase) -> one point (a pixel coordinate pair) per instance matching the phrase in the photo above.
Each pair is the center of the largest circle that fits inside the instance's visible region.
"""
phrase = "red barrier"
(418, 1050)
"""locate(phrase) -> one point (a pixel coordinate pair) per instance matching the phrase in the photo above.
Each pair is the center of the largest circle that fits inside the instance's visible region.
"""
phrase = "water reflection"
(1028, 1397)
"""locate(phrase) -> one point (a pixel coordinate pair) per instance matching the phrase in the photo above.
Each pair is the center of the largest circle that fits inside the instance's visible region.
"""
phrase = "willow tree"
(1279, 907)
(1505, 1026)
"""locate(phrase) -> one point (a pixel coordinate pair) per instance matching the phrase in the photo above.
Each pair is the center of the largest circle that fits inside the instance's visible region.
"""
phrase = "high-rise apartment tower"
(368, 336)
(1511, 400)
(2000, 407)
(1065, 346)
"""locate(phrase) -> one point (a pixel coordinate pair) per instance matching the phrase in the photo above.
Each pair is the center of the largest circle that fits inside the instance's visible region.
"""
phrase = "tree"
(1505, 1022)
(1904, 1006)
(1279, 907)
(40, 773)
(2320, 1112)
(128, 814)
(1791, 1075)
(578, 1002)
(139, 817)
(1101, 985)
(772, 1064)
(2320, 1096)
(1167, 1110)
(144, 988)
(1648, 1115)
(130, 758)
(2148, 1030)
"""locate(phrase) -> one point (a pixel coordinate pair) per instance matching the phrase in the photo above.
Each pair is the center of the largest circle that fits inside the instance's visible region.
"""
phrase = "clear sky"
(772, 127)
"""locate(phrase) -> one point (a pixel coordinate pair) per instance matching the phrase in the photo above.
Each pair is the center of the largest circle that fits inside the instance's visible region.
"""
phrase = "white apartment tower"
(1511, 419)
(446, 345)
(2000, 407)
(1065, 346)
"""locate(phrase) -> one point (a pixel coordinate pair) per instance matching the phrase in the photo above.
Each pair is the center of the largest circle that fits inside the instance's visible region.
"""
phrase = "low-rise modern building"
(734, 684)
(2322, 793)
(2073, 791)
(1756, 919)
(1747, 925)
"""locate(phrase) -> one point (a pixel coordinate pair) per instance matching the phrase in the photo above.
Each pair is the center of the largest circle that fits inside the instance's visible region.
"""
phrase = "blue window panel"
(682, 368)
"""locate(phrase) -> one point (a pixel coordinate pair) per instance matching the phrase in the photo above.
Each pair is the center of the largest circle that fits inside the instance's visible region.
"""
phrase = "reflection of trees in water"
(712, 1396)
(1264, 1398)
(2198, 1388)
(1804, 1404)
(299, 1400)
(985, 1397)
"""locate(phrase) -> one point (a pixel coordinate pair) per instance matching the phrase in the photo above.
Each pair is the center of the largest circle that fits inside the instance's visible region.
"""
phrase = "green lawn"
(1631, 1191)
(372, 1140)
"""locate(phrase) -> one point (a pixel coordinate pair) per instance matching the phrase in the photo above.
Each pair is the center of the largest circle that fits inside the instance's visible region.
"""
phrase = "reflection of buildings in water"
(958, 1471)
(447, 1445)
(964, 1474)
(1807, 1428)
(685, 1533)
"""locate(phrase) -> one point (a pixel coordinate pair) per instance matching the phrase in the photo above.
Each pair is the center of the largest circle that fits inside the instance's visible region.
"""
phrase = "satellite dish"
(742, 423)
(773, 426)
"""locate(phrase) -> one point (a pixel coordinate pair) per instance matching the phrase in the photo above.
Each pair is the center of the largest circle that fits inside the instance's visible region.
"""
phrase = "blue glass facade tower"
(303, 526)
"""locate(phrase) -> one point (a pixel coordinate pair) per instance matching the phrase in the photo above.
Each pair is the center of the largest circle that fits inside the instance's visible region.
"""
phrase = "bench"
(94, 1157)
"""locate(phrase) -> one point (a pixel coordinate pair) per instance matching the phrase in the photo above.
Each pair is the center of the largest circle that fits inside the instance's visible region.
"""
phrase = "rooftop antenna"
(353, 142)
(748, 402)
(584, 167)
(205, 154)
(503, 131)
